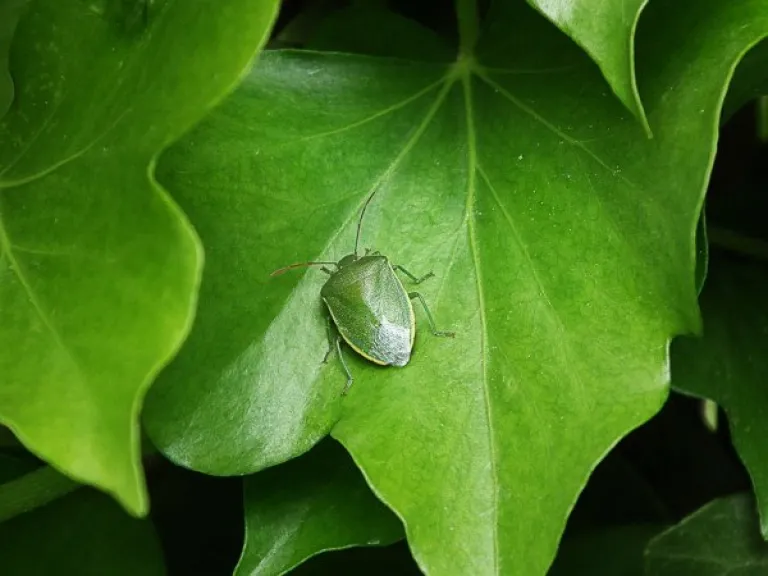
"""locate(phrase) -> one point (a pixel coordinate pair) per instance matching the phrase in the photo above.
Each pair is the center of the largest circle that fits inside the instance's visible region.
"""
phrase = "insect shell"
(371, 309)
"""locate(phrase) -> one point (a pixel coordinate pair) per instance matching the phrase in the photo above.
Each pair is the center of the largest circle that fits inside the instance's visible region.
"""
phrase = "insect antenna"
(362, 213)
(300, 265)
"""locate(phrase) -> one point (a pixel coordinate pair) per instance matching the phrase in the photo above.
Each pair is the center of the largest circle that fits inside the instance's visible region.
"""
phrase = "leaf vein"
(56, 165)
(378, 114)
(471, 191)
(410, 143)
(552, 128)
(542, 291)
(6, 248)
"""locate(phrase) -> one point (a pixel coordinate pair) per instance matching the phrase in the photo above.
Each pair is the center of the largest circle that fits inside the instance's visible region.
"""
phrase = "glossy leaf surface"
(606, 30)
(315, 503)
(562, 242)
(98, 268)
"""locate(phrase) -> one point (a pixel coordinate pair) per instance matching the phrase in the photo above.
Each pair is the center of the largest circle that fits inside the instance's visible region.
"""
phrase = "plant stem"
(734, 242)
(762, 118)
(466, 12)
(33, 490)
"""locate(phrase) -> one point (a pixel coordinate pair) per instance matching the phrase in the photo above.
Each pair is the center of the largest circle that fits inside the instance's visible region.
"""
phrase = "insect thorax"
(347, 260)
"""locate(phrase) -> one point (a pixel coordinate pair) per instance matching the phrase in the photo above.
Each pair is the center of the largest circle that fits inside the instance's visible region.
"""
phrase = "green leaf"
(316, 503)
(10, 12)
(728, 364)
(750, 80)
(86, 534)
(379, 561)
(606, 552)
(606, 30)
(368, 28)
(98, 267)
(562, 240)
(720, 539)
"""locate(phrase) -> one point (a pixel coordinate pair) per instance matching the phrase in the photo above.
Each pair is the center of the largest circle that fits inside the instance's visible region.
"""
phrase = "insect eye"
(348, 259)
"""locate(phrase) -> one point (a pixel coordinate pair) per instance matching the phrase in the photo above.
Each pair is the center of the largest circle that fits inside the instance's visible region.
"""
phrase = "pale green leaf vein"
(518, 238)
(471, 191)
(407, 147)
(56, 165)
(539, 284)
(482, 70)
(376, 115)
(23, 152)
(551, 127)
(5, 248)
(39, 251)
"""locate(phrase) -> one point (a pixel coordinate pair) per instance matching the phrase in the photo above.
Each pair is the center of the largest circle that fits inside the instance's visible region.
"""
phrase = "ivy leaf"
(606, 30)
(562, 240)
(720, 539)
(316, 503)
(10, 12)
(98, 267)
(728, 365)
(750, 80)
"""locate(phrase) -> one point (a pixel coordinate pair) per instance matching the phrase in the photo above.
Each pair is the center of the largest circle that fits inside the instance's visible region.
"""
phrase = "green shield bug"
(369, 306)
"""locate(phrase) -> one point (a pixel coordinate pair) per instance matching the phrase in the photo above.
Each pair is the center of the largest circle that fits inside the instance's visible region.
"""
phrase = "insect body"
(371, 310)
(370, 307)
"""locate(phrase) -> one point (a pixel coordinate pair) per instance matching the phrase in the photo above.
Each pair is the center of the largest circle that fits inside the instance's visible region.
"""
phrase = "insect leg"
(331, 338)
(432, 326)
(344, 365)
(334, 341)
(413, 278)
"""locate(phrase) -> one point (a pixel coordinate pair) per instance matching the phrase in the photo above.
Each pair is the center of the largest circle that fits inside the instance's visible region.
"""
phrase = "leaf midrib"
(472, 169)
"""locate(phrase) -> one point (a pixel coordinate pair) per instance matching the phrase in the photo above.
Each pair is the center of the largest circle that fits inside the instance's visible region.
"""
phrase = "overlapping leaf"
(606, 30)
(728, 364)
(316, 503)
(561, 238)
(749, 82)
(720, 539)
(98, 268)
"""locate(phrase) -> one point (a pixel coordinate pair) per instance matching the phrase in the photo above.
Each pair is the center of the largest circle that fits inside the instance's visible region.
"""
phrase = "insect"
(369, 306)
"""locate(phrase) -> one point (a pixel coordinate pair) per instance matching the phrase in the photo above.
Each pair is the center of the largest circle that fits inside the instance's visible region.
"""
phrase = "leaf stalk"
(466, 12)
